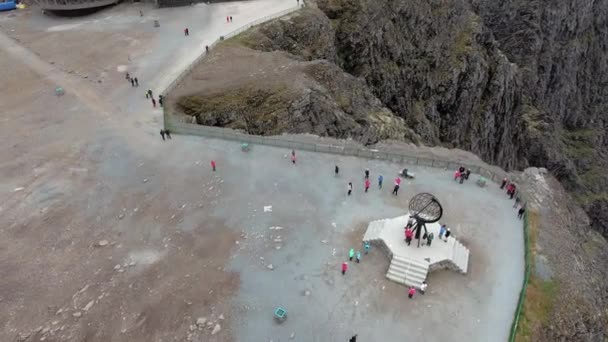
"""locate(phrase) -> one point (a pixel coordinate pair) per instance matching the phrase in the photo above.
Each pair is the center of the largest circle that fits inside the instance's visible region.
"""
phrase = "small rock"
(216, 329)
(45, 330)
(145, 180)
(323, 241)
(132, 263)
(201, 321)
(55, 322)
(192, 327)
(306, 293)
(89, 305)
(18, 189)
(59, 312)
(221, 317)
(117, 267)
(277, 247)
(123, 331)
(121, 216)
(270, 267)
(77, 314)
(292, 336)
(102, 243)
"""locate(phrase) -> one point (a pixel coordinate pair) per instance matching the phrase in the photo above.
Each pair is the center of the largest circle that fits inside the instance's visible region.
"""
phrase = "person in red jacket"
(367, 184)
(344, 268)
(411, 292)
(409, 234)
(213, 165)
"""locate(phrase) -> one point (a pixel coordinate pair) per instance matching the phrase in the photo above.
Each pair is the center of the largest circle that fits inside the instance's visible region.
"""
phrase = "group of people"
(356, 256)
(366, 181)
(150, 95)
(134, 81)
(167, 133)
(462, 174)
(512, 192)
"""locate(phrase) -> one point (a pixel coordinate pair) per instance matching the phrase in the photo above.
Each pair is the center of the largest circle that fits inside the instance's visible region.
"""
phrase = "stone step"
(400, 259)
(408, 270)
(395, 278)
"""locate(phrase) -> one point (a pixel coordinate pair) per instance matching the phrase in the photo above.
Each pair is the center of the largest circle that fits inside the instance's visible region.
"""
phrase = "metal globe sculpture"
(424, 208)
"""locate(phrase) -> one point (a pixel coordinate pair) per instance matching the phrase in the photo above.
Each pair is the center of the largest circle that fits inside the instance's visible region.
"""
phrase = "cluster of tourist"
(511, 190)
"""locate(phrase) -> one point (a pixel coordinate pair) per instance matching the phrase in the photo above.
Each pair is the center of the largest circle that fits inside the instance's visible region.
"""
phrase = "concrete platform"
(410, 264)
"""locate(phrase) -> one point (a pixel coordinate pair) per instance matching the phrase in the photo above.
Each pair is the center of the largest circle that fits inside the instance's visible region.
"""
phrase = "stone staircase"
(407, 271)
(460, 257)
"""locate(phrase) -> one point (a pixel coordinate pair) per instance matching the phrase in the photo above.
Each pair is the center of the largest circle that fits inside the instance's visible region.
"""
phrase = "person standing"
(353, 339)
(423, 287)
(504, 182)
(462, 177)
(358, 257)
(513, 189)
(409, 234)
(397, 185)
(350, 188)
(293, 157)
(230, 18)
(351, 254)
(456, 175)
(168, 134)
(521, 212)
(466, 175)
(380, 179)
(366, 173)
(366, 246)
(367, 184)
(442, 230)
(136, 81)
(186, 32)
(448, 232)
(160, 100)
(153, 103)
(132, 82)
(344, 268)
(150, 92)
(429, 238)
(227, 19)
(337, 170)
(213, 165)
(162, 134)
(411, 292)
(517, 200)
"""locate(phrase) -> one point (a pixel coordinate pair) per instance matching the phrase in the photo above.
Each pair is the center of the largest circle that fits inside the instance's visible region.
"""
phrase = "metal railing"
(524, 288)
(241, 29)
(342, 149)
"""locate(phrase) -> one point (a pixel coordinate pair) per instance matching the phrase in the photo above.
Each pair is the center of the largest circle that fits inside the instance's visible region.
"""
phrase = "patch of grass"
(579, 144)
(585, 199)
(531, 116)
(540, 294)
(463, 40)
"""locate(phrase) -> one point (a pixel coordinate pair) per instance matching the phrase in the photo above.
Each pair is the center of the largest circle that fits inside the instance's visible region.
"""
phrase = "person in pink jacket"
(367, 184)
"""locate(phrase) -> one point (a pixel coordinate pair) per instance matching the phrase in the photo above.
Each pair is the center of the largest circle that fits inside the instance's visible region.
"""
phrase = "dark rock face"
(517, 82)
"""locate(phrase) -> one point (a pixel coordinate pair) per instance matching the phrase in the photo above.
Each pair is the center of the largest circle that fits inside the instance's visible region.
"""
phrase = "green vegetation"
(587, 198)
(463, 40)
(538, 295)
(256, 110)
(579, 144)
(531, 116)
